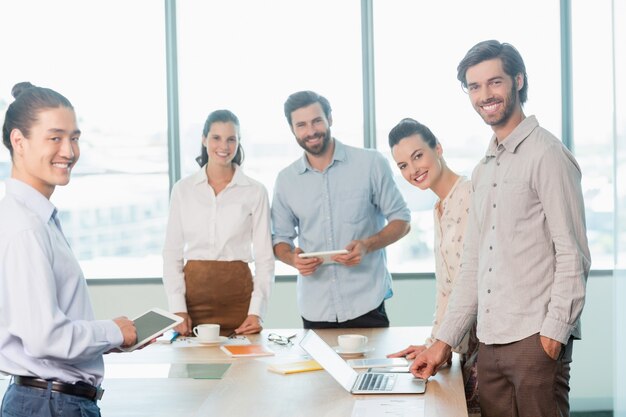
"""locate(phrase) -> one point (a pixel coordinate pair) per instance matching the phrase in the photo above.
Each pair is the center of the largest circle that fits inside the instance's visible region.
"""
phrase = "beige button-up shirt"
(526, 258)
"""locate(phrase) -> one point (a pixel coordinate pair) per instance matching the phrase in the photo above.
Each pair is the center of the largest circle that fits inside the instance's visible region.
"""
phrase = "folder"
(241, 351)
(294, 367)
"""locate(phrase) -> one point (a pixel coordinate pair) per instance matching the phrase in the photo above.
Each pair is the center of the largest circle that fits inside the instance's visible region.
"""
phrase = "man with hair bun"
(51, 344)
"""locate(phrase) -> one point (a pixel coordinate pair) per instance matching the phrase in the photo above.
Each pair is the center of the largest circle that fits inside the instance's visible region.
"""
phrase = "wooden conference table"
(248, 388)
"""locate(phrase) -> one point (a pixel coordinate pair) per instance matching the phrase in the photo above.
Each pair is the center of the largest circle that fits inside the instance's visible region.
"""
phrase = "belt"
(80, 389)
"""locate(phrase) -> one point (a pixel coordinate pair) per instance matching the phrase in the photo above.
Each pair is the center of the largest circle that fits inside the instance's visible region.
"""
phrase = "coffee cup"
(352, 342)
(207, 332)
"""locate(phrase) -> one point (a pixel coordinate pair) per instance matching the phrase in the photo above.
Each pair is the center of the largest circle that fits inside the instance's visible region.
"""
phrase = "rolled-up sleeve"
(387, 196)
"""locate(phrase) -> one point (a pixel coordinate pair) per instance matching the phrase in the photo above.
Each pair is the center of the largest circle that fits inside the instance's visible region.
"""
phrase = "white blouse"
(232, 226)
(449, 235)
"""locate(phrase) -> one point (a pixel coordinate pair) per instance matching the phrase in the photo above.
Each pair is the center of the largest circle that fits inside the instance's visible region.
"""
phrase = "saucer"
(219, 341)
(359, 352)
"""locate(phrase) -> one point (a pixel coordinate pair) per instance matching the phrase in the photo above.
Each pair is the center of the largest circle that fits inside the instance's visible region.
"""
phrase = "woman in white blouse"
(419, 157)
(219, 222)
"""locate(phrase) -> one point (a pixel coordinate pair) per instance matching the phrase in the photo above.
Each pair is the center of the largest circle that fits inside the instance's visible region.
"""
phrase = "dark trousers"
(375, 318)
(520, 380)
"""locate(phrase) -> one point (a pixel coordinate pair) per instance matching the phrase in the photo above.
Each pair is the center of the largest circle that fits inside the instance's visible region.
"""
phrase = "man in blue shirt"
(336, 196)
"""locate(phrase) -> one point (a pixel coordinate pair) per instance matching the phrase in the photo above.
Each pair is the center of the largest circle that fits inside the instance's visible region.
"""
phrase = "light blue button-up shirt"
(351, 199)
(47, 326)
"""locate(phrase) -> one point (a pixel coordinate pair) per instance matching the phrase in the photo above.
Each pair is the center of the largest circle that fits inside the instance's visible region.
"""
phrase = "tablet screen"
(151, 323)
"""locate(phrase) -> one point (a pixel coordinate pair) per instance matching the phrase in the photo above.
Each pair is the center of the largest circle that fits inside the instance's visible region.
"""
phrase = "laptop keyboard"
(375, 382)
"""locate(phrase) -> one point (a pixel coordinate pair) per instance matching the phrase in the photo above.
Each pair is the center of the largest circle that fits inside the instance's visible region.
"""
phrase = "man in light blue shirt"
(334, 197)
(51, 344)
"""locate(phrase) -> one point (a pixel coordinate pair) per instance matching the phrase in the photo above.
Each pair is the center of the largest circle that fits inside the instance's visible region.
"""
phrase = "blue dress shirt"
(47, 326)
(351, 199)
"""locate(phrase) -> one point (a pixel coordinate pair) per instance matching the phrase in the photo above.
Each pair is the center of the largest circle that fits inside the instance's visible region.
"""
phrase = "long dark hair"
(224, 116)
(23, 112)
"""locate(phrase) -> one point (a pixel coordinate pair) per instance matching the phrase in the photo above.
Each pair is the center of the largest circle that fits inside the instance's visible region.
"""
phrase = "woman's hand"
(251, 325)
(410, 353)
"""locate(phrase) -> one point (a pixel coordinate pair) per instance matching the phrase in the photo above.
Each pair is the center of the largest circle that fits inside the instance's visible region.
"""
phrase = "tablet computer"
(325, 256)
(151, 324)
(378, 362)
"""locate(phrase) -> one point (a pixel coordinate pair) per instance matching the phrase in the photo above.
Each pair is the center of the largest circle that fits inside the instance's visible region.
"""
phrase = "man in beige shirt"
(526, 258)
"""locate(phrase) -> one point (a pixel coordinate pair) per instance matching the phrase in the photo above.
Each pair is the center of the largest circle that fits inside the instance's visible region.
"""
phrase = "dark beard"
(322, 149)
(508, 110)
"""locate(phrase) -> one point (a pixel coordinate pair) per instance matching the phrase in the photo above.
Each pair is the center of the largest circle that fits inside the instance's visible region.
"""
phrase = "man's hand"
(306, 266)
(356, 251)
(129, 332)
(251, 325)
(551, 347)
(410, 353)
(430, 360)
(184, 328)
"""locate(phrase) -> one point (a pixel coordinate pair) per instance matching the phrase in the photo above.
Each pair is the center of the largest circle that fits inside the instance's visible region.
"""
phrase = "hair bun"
(19, 88)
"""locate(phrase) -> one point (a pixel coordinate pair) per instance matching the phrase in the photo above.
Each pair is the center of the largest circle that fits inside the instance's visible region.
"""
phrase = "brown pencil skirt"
(218, 292)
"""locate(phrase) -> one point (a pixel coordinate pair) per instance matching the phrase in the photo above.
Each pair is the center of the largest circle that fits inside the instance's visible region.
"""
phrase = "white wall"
(413, 304)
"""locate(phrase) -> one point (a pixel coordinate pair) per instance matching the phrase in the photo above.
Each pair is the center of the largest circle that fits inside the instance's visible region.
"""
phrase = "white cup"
(207, 332)
(352, 342)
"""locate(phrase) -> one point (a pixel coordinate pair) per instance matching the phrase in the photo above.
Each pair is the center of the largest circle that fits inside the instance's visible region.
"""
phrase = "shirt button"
(493, 227)
(487, 311)
(490, 247)
(494, 184)
(489, 269)
(494, 205)
(498, 163)
(488, 291)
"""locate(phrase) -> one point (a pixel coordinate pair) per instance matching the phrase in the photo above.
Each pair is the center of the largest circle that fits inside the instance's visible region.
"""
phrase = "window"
(108, 59)
(417, 47)
(593, 122)
(231, 58)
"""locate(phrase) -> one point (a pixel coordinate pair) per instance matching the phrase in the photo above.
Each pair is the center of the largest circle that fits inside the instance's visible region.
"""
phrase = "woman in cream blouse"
(219, 222)
(418, 155)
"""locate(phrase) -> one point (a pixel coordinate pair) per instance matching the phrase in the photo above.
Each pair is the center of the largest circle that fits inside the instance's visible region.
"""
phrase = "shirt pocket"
(517, 200)
(354, 206)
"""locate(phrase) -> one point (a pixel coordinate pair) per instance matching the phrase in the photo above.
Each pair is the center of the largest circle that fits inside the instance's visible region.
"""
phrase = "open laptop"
(355, 382)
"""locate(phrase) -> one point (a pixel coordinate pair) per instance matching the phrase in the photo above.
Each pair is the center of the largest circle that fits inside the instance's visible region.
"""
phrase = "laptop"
(355, 382)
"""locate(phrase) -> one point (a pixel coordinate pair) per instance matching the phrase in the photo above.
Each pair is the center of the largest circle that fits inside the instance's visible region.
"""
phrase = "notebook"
(295, 367)
(359, 383)
(240, 351)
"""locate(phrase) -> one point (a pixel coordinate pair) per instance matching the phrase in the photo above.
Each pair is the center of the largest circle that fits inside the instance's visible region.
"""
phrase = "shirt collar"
(338, 155)
(515, 138)
(31, 198)
(239, 178)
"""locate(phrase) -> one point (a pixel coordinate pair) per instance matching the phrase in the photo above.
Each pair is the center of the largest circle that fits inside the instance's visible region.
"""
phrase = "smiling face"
(419, 164)
(221, 143)
(494, 94)
(45, 159)
(311, 129)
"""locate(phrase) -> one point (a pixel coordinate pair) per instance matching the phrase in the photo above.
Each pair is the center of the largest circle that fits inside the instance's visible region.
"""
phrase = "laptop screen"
(329, 359)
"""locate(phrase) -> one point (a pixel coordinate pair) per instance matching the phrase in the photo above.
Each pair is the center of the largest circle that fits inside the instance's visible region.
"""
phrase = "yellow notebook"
(294, 367)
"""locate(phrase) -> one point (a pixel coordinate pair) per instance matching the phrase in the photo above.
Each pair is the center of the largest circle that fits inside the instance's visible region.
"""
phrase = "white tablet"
(325, 256)
(151, 324)
(377, 362)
